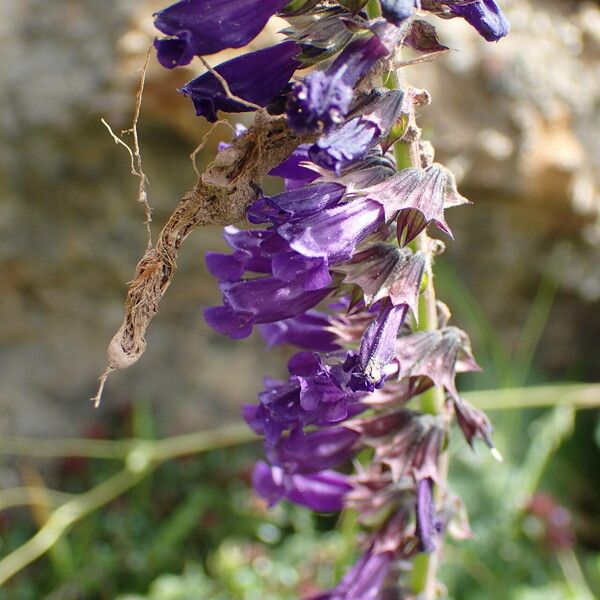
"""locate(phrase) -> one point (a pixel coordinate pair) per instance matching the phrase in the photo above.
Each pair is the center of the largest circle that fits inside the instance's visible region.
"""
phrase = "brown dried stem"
(221, 195)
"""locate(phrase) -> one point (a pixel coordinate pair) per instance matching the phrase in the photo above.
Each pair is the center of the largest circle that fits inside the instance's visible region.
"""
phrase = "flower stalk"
(341, 265)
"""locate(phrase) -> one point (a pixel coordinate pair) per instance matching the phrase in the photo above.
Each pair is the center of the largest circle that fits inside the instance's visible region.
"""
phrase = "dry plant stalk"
(229, 184)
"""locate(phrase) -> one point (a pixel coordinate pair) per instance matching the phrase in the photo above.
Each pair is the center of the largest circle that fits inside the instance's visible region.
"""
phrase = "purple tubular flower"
(313, 395)
(318, 450)
(321, 492)
(376, 348)
(366, 579)
(396, 11)
(324, 97)
(296, 204)
(334, 233)
(227, 321)
(352, 140)
(344, 145)
(291, 168)
(309, 330)
(202, 27)
(268, 299)
(427, 527)
(318, 381)
(255, 77)
(247, 255)
(485, 16)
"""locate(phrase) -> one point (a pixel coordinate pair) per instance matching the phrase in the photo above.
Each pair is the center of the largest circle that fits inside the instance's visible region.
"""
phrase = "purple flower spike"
(310, 331)
(334, 233)
(317, 451)
(255, 77)
(436, 355)
(376, 348)
(485, 16)
(427, 528)
(203, 27)
(383, 270)
(323, 99)
(321, 492)
(417, 197)
(366, 579)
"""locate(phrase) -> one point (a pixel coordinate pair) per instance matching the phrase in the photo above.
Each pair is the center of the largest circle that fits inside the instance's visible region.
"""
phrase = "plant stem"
(407, 155)
(143, 458)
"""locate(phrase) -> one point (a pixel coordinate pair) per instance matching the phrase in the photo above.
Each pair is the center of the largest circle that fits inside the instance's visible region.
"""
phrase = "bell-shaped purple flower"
(203, 27)
(383, 271)
(255, 77)
(311, 330)
(334, 233)
(321, 492)
(323, 99)
(474, 423)
(376, 348)
(416, 197)
(409, 443)
(436, 355)
(318, 450)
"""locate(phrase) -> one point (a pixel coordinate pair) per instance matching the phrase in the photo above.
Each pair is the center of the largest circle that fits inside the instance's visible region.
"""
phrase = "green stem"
(424, 579)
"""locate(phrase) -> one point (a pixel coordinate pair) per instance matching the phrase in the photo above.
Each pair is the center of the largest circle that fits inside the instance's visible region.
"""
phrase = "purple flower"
(376, 348)
(313, 395)
(353, 139)
(416, 197)
(324, 97)
(485, 16)
(436, 355)
(321, 492)
(428, 527)
(366, 579)
(262, 300)
(202, 27)
(292, 171)
(396, 11)
(247, 255)
(474, 423)
(318, 381)
(334, 233)
(255, 77)
(311, 330)
(296, 204)
(408, 442)
(318, 450)
(383, 270)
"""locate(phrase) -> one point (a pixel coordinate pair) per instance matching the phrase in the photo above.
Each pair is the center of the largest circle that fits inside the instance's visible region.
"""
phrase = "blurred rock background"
(518, 122)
